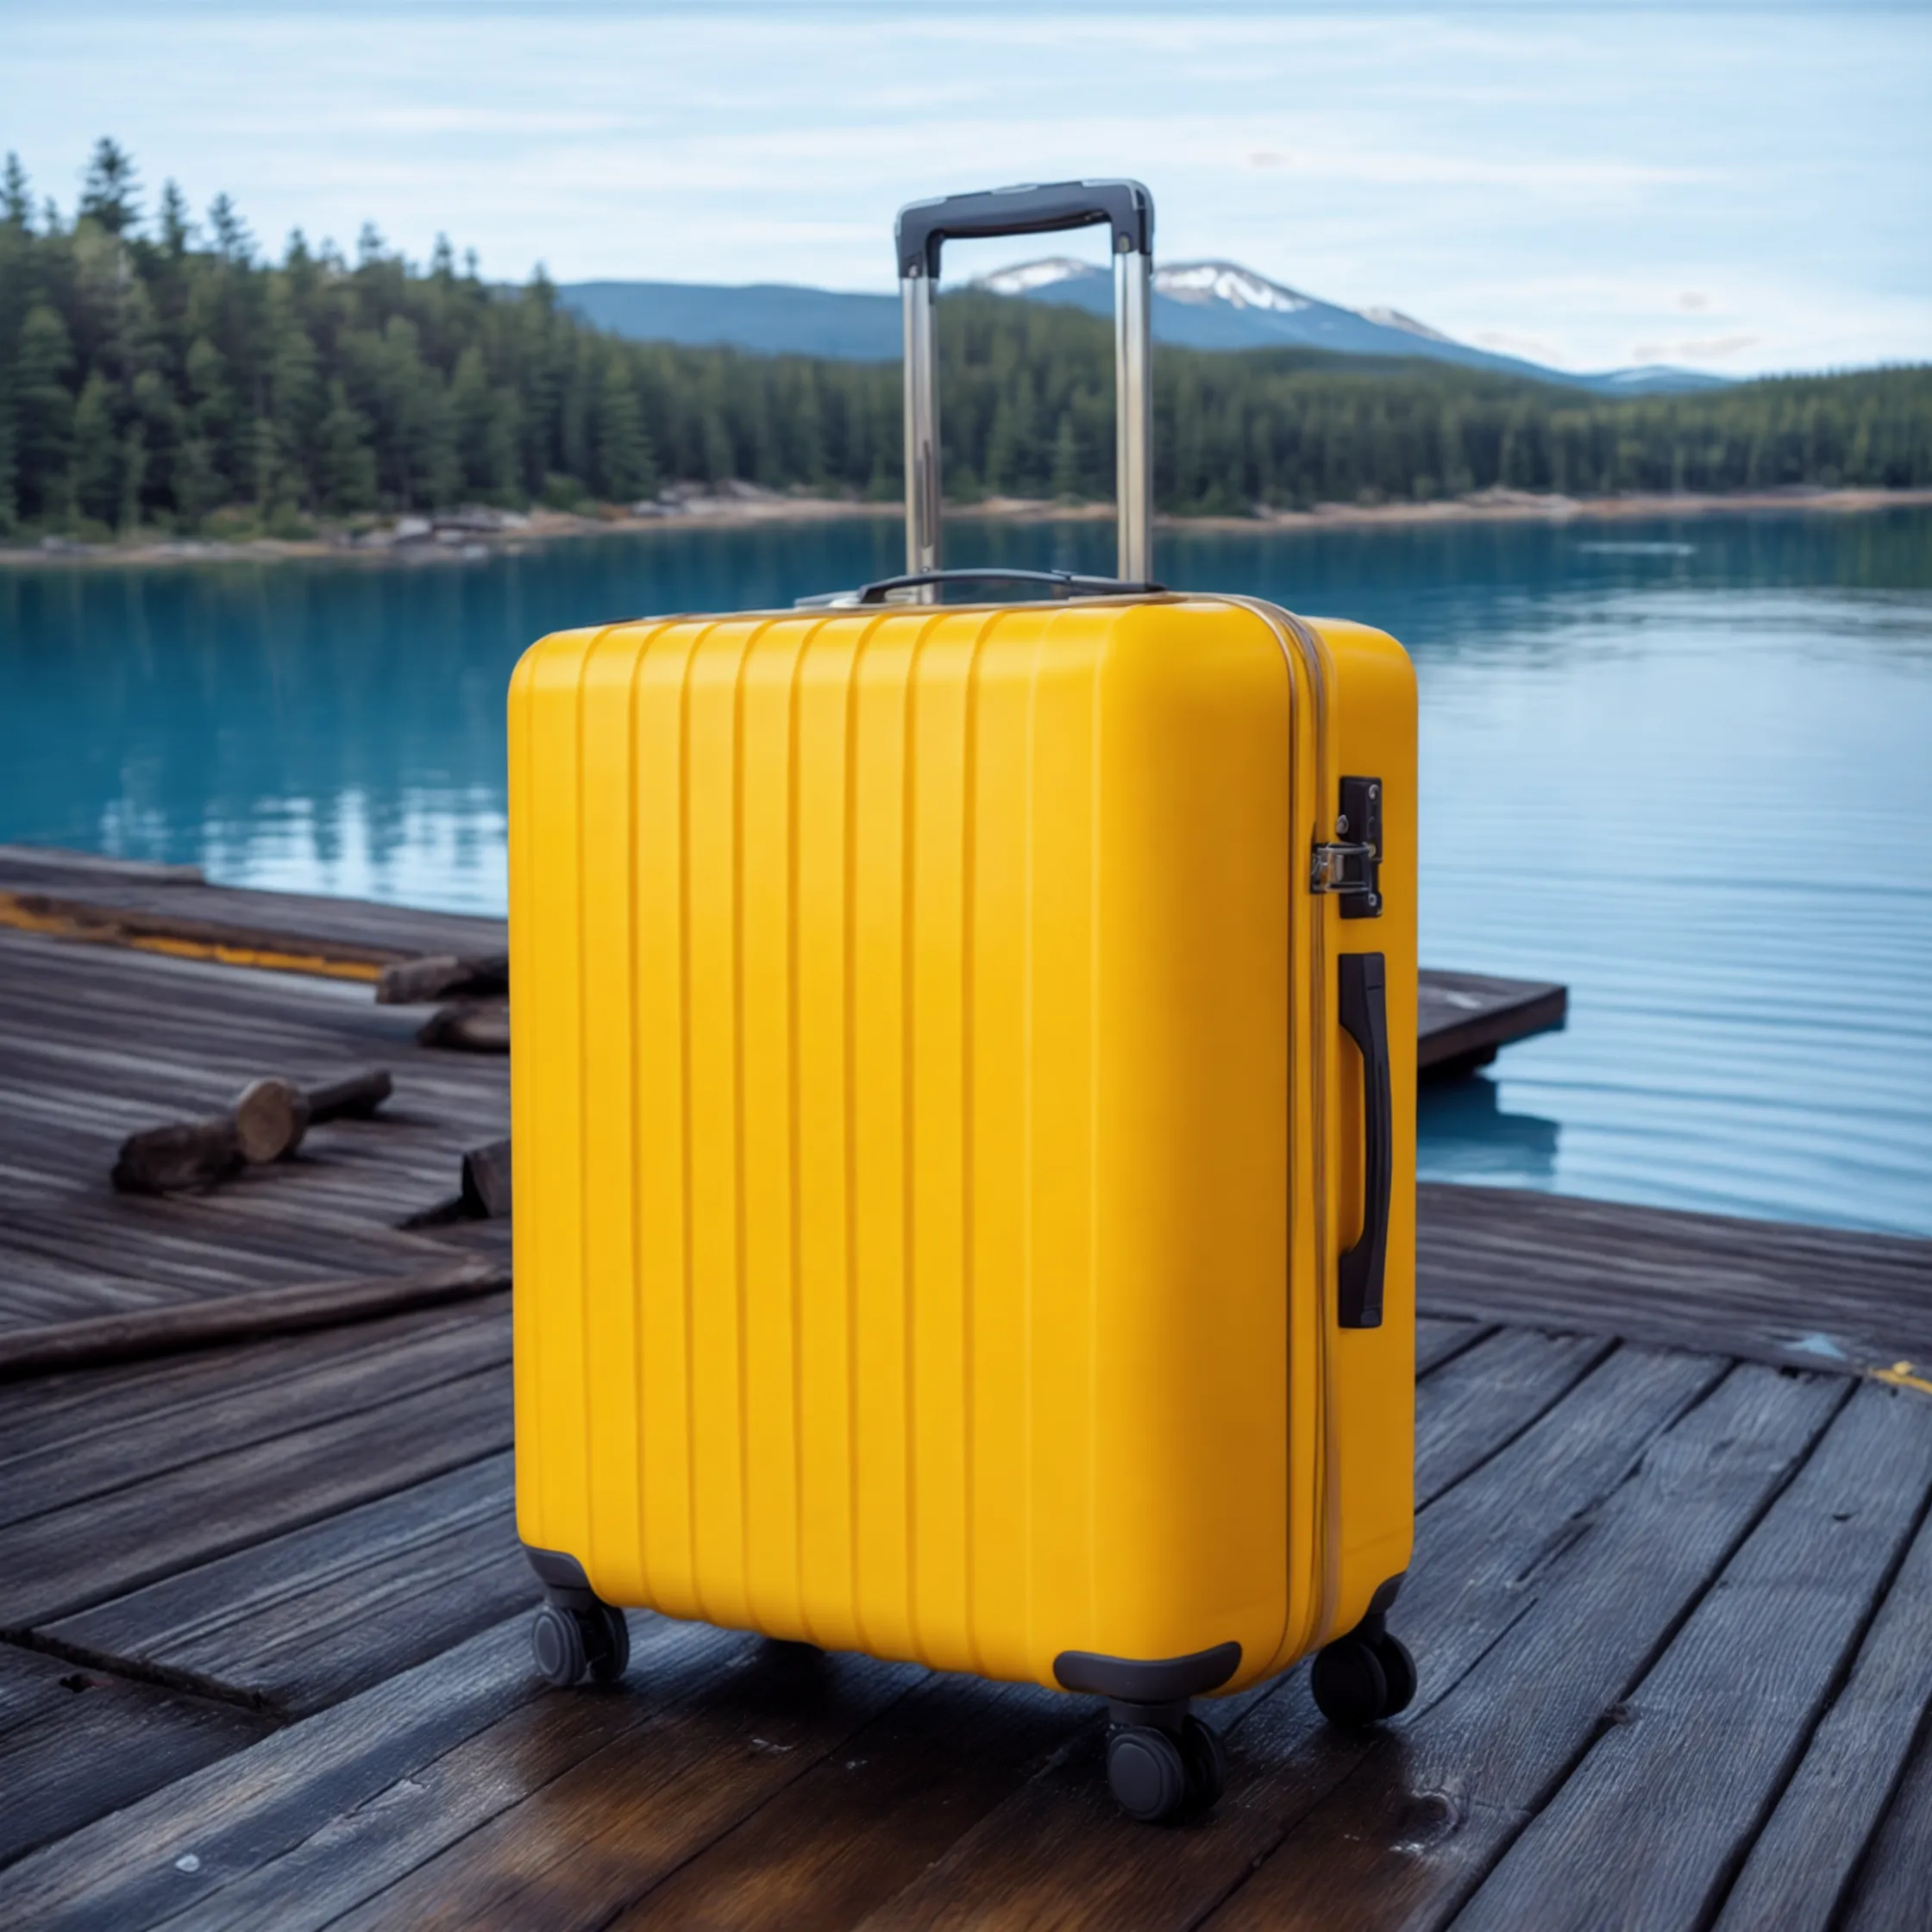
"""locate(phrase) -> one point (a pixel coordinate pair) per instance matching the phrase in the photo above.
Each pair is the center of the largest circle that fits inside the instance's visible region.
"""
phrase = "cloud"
(1704, 348)
(1535, 349)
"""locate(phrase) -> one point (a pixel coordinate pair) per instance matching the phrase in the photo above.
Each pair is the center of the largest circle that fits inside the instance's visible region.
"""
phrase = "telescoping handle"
(924, 227)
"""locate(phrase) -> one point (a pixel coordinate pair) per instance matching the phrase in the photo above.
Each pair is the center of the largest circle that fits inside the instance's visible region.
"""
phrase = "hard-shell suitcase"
(964, 1109)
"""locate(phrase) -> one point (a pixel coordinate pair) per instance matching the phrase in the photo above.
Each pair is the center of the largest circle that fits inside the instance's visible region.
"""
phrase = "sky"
(1736, 188)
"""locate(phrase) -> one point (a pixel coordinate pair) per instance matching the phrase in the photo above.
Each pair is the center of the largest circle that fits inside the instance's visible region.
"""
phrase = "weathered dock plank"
(1896, 1878)
(1800, 1868)
(862, 1824)
(1462, 1019)
(1478, 1402)
(1440, 1337)
(1811, 1296)
(306, 1619)
(242, 1813)
(175, 909)
(82, 1743)
(1700, 1748)
(144, 1425)
(64, 1559)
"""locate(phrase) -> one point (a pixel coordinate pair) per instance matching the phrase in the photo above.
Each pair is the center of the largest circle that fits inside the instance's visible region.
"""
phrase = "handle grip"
(924, 227)
(1062, 583)
(1365, 1018)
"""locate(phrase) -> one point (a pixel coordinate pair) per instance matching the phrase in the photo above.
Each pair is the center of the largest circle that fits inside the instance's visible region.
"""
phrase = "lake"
(1684, 767)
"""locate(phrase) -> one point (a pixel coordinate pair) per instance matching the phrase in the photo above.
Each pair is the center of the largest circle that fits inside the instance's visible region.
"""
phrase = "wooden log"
(143, 1333)
(271, 1117)
(441, 976)
(486, 1182)
(470, 1027)
(355, 1096)
(184, 1154)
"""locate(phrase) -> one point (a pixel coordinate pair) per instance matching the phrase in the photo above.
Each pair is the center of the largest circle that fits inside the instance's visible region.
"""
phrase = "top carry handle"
(924, 227)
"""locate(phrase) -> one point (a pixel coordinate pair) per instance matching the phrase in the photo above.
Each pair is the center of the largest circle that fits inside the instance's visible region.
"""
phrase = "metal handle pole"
(922, 230)
(1133, 410)
(922, 428)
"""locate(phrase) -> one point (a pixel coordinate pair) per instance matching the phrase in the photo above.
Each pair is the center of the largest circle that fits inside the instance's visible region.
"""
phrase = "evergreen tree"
(9, 498)
(176, 226)
(622, 457)
(1066, 479)
(43, 415)
(471, 406)
(346, 466)
(96, 461)
(297, 402)
(233, 243)
(211, 416)
(109, 194)
(197, 485)
(16, 204)
(134, 478)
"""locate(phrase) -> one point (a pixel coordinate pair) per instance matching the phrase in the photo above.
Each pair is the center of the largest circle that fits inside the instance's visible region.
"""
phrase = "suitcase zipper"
(1302, 646)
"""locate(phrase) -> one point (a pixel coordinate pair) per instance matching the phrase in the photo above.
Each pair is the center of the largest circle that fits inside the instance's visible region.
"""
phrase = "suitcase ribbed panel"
(898, 1125)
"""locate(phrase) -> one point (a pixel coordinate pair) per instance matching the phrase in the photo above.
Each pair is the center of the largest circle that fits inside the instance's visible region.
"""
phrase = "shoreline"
(472, 536)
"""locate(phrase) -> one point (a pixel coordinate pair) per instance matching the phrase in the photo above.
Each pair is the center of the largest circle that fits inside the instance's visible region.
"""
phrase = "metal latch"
(1342, 869)
(1351, 865)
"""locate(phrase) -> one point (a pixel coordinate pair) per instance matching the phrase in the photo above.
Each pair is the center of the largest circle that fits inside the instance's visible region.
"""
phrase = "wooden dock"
(1463, 1019)
(263, 1658)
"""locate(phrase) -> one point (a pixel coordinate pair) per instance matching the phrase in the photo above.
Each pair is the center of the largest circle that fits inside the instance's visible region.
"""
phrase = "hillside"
(1199, 304)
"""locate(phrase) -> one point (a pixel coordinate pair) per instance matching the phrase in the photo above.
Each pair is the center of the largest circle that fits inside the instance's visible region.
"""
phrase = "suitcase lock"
(1351, 866)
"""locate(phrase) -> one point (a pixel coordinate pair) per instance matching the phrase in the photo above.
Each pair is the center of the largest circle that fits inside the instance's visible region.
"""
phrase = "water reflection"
(1462, 1133)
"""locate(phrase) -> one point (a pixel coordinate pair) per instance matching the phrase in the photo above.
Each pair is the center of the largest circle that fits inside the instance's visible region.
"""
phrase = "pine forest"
(159, 373)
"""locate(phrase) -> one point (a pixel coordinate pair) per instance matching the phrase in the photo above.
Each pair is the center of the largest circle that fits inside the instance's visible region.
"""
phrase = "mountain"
(1197, 305)
(773, 319)
(1221, 305)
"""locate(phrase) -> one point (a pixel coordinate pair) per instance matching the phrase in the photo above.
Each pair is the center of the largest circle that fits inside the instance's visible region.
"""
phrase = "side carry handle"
(1365, 1018)
(923, 230)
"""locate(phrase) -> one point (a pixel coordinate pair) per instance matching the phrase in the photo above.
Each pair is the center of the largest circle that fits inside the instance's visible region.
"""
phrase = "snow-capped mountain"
(1201, 283)
(1222, 305)
(1205, 282)
(1197, 305)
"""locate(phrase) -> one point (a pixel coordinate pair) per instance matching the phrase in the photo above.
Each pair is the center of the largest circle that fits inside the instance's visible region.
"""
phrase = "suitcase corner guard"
(562, 1576)
(1158, 1680)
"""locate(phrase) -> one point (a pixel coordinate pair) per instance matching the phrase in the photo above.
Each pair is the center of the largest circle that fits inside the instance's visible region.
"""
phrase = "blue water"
(1686, 768)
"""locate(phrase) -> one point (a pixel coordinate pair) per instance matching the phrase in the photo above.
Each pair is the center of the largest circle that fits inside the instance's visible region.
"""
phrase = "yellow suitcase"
(964, 1110)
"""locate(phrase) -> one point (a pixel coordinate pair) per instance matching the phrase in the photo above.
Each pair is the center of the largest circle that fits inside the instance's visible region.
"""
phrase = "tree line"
(162, 373)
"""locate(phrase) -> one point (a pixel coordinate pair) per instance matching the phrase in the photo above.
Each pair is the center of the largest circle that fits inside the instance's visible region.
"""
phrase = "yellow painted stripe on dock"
(103, 929)
(1900, 1376)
